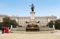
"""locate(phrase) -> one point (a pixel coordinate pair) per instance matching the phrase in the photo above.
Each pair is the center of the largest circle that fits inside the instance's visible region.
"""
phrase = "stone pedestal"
(32, 25)
(32, 15)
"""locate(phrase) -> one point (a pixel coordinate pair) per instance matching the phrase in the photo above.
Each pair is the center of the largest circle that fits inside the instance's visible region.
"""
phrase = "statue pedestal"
(32, 26)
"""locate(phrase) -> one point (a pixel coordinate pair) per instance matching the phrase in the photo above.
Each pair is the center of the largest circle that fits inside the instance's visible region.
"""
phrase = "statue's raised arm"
(32, 7)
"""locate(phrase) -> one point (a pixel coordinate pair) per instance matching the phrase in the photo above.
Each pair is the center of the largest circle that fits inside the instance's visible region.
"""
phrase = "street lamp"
(53, 25)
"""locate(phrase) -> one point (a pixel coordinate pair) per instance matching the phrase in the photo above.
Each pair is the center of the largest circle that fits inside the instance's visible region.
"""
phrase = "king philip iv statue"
(32, 7)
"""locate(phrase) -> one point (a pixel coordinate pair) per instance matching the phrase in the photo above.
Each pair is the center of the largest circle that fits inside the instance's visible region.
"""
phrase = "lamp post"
(11, 28)
(53, 25)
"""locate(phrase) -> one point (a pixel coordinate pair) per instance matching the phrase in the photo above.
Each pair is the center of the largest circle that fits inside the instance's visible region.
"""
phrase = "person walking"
(6, 30)
(2, 30)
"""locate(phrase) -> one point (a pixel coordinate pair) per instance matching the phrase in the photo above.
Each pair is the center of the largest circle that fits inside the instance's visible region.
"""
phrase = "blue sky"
(22, 7)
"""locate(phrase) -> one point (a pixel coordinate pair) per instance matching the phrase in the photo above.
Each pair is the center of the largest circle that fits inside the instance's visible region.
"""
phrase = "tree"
(14, 23)
(50, 24)
(1, 24)
(57, 24)
(8, 22)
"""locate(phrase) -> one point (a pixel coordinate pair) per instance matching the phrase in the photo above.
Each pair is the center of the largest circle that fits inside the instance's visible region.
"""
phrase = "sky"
(23, 7)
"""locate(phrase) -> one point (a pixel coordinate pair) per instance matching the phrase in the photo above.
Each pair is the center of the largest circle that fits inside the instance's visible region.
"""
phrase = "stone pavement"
(30, 35)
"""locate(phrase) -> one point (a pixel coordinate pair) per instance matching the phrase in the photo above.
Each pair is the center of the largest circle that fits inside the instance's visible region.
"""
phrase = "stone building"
(23, 19)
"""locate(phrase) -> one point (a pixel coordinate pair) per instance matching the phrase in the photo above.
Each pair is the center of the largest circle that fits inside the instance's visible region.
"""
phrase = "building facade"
(23, 19)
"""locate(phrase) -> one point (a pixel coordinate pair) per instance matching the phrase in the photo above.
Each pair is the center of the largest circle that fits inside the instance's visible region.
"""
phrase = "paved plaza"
(31, 35)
